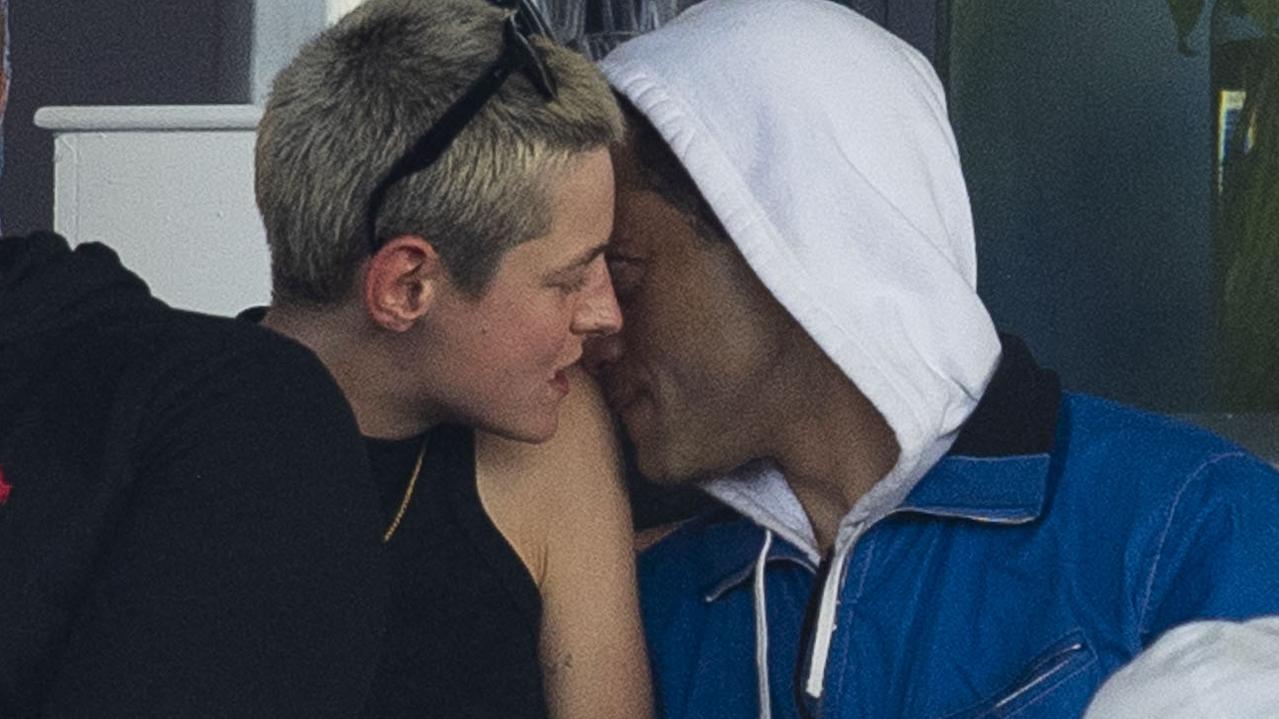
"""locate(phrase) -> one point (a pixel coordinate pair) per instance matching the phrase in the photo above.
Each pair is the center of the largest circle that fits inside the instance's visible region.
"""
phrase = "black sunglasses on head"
(518, 54)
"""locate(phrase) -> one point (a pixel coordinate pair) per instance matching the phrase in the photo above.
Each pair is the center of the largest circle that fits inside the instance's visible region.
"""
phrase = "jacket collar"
(996, 472)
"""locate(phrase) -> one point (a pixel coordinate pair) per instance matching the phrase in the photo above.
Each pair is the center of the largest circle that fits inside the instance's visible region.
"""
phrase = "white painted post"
(170, 189)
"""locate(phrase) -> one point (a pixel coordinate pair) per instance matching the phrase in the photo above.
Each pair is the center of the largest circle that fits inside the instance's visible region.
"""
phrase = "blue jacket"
(1061, 535)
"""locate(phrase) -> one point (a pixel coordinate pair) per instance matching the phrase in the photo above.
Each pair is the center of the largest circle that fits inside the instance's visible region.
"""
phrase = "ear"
(404, 278)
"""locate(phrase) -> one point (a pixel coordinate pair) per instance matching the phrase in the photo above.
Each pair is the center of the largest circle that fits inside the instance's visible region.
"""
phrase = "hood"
(1199, 670)
(47, 287)
(822, 144)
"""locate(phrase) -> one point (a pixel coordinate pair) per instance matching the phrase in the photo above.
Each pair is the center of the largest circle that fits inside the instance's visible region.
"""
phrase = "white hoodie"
(822, 144)
(1200, 670)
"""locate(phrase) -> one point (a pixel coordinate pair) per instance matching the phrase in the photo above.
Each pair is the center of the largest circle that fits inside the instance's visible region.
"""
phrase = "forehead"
(626, 165)
(643, 215)
(646, 218)
(581, 203)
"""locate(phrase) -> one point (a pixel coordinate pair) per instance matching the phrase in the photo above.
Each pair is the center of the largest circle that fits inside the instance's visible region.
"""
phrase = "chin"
(534, 430)
(685, 462)
(659, 468)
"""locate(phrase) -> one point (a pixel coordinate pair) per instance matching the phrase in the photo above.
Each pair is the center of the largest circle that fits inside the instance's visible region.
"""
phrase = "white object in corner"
(338, 8)
(170, 189)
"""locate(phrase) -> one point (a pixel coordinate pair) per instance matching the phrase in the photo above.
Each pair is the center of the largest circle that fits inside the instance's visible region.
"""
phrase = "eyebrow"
(585, 258)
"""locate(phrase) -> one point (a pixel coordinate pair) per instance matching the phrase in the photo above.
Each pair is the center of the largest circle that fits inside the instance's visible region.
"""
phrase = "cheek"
(667, 348)
(701, 335)
(710, 378)
(537, 332)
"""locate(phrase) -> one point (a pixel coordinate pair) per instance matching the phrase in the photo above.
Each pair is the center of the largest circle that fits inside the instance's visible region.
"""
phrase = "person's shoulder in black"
(187, 524)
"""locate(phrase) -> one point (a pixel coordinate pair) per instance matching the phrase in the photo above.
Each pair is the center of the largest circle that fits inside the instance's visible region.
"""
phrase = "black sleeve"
(244, 577)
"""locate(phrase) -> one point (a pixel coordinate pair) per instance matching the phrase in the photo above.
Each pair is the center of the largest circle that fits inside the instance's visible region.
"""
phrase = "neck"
(831, 443)
(363, 361)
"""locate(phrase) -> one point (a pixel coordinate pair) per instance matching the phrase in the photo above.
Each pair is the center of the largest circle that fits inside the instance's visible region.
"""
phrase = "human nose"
(597, 312)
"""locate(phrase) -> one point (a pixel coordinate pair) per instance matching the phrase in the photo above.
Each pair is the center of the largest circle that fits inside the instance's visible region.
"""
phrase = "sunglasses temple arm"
(432, 145)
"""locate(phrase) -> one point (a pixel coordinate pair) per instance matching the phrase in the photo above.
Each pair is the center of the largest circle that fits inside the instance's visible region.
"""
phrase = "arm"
(242, 578)
(568, 493)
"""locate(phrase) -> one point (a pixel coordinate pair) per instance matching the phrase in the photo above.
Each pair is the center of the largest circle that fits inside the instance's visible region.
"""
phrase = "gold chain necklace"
(408, 495)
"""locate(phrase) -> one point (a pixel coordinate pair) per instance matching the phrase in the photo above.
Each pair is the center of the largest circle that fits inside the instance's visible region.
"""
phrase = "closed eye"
(575, 284)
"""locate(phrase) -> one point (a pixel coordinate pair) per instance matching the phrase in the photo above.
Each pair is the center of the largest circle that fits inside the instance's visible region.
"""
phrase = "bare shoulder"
(583, 441)
(571, 482)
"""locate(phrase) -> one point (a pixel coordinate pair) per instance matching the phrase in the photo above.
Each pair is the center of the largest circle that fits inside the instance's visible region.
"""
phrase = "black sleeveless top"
(464, 616)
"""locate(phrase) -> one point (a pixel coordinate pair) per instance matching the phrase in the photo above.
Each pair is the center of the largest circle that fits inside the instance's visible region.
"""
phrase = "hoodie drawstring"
(761, 629)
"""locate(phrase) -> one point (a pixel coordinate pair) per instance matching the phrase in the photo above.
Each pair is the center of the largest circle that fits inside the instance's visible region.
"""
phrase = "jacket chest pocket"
(1056, 680)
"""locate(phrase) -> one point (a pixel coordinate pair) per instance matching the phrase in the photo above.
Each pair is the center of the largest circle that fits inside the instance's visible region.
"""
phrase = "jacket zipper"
(813, 621)
(810, 619)
(807, 631)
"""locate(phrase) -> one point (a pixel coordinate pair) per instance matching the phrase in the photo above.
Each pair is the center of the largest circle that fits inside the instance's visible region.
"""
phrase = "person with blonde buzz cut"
(437, 191)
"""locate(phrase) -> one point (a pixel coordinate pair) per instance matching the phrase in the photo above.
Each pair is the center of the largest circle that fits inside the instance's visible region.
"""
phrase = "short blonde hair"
(358, 95)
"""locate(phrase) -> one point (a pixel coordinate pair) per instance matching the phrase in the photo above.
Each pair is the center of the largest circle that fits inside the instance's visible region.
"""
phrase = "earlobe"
(402, 282)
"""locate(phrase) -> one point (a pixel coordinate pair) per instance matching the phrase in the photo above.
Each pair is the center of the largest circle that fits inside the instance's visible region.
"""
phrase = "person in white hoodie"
(917, 521)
